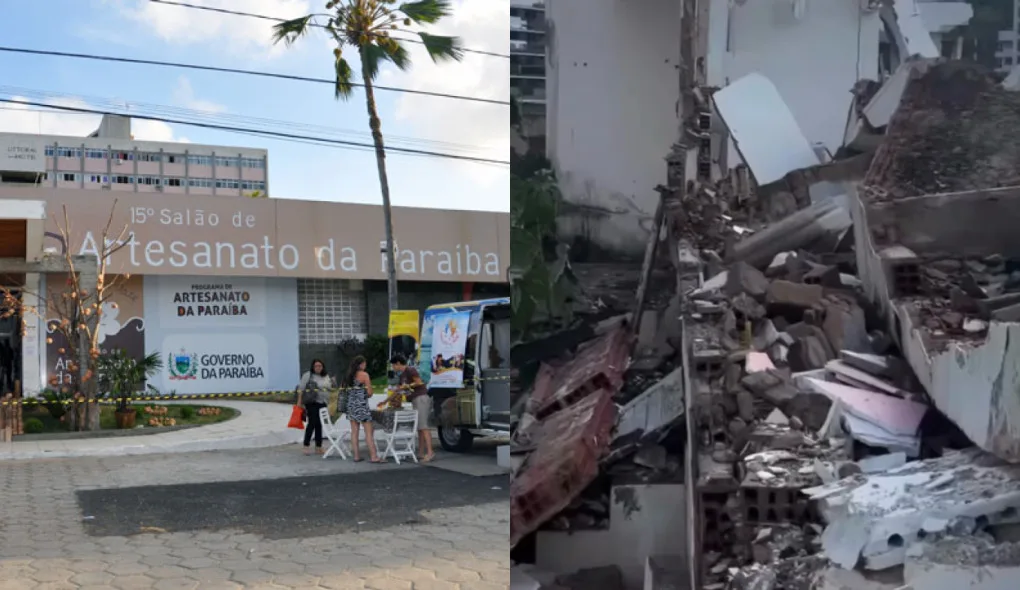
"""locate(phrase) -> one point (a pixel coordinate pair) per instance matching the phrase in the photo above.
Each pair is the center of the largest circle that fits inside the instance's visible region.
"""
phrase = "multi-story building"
(110, 159)
(527, 67)
(1007, 51)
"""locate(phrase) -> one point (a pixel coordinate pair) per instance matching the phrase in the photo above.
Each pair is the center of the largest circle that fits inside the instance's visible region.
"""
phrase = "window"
(99, 178)
(95, 154)
(124, 179)
(50, 151)
(149, 157)
(125, 156)
(231, 184)
(222, 162)
(200, 182)
(65, 152)
(200, 160)
(329, 311)
(148, 180)
(253, 185)
(174, 158)
(172, 181)
(66, 177)
(258, 163)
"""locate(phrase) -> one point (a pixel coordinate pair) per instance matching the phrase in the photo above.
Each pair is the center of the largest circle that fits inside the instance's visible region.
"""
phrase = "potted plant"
(121, 375)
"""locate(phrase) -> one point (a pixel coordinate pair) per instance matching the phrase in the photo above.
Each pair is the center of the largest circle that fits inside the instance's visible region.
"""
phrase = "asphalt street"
(290, 508)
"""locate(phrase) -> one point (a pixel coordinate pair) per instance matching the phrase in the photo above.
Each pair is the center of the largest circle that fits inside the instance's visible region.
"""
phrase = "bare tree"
(73, 312)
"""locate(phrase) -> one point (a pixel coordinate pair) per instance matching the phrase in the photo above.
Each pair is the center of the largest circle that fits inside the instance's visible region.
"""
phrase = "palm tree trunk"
(384, 185)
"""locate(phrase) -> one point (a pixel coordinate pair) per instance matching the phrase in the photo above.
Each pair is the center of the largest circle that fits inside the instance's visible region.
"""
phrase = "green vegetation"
(42, 421)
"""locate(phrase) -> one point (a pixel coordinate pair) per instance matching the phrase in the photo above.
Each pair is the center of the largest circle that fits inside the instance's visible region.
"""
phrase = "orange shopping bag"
(297, 418)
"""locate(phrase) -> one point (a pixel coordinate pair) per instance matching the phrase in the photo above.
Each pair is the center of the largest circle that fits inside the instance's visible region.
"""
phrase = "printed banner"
(185, 302)
(215, 363)
(121, 327)
(403, 334)
(449, 344)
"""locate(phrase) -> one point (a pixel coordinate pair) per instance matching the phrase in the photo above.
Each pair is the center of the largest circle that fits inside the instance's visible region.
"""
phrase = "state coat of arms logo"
(183, 366)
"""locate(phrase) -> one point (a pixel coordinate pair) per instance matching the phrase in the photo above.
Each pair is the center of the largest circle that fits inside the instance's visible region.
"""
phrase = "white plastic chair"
(402, 438)
(332, 433)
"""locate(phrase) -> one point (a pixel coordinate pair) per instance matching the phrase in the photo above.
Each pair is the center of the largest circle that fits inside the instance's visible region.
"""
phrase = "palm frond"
(344, 74)
(426, 12)
(291, 30)
(442, 48)
(374, 54)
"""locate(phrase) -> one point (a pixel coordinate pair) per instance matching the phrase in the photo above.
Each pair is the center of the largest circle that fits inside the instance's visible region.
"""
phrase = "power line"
(280, 20)
(170, 64)
(224, 118)
(264, 133)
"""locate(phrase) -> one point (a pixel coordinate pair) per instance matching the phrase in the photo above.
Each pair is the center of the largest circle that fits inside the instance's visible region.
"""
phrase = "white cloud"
(19, 118)
(184, 95)
(238, 34)
(484, 25)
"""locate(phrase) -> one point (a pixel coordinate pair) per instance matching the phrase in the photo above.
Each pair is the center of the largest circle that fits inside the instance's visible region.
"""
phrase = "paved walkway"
(259, 425)
(45, 540)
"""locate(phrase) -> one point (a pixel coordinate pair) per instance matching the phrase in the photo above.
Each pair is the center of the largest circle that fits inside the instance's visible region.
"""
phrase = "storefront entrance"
(10, 347)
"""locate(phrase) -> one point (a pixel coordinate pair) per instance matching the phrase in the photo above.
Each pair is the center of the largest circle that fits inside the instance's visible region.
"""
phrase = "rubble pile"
(951, 133)
(767, 383)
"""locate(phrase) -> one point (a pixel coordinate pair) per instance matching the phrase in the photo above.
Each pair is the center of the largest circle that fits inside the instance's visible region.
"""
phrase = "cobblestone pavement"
(44, 544)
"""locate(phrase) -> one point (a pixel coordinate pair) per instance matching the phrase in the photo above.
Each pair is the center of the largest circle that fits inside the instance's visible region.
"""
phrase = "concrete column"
(134, 168)
(33, 343)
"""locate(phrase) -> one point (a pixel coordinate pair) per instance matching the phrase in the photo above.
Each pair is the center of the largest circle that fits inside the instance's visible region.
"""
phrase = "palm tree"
(368, 27)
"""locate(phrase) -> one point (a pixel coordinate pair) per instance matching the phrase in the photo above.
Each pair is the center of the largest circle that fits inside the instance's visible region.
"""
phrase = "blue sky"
(140, 29)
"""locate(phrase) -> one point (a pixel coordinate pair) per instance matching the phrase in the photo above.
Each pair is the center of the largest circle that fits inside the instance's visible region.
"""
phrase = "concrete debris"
(770, 388)
(876, 519)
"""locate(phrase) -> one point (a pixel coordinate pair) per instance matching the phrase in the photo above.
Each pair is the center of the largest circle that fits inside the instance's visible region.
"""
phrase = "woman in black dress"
(359, 391)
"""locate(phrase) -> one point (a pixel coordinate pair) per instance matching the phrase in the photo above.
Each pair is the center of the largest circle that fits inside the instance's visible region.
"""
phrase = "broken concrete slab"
(797, 295)
(846, 327)
(856, 378)
(873, 364)
(878, 518)
(744, 278)
(810, 408)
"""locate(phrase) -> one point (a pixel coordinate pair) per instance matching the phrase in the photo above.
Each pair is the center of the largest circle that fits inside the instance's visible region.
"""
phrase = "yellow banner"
(404, 334)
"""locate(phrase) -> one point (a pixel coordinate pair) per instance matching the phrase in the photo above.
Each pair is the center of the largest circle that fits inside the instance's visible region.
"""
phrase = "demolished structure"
(830, 398)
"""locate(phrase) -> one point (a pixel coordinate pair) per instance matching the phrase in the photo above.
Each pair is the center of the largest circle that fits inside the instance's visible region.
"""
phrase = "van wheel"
(456, 440)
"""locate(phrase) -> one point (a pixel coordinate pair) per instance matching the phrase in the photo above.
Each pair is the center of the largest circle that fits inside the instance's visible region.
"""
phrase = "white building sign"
(22, 154)
(215, 363)
(188, 302)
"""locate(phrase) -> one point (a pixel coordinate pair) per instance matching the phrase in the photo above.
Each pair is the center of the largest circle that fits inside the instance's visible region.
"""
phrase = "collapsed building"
(828, 397)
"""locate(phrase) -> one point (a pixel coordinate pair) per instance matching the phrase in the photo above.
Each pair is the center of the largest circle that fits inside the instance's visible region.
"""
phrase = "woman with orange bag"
(313, 394)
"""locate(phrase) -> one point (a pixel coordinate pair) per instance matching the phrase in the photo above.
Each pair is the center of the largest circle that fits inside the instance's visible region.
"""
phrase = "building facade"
(110, 159)
(527, 68)
(615, 101)
(235, 294)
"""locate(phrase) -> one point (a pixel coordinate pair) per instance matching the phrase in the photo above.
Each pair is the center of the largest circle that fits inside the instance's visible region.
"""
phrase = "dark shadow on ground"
(290, 508)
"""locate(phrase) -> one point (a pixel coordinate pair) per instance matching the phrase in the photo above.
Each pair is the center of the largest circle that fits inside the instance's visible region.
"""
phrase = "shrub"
(187, 412)
(34, 426)
(377, 351)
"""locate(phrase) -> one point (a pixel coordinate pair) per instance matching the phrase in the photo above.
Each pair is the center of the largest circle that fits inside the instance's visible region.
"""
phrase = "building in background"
(1007, 53)
(110, 159)
(527, 68)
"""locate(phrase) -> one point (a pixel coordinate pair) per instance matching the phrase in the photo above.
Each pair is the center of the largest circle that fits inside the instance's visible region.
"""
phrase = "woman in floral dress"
(359, 390)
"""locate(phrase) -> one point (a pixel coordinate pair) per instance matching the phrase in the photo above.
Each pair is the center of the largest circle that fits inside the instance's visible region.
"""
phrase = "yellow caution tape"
(36, 401)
